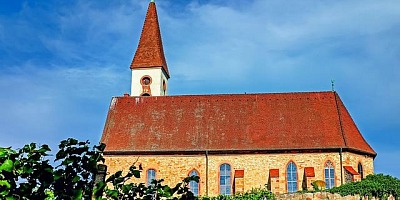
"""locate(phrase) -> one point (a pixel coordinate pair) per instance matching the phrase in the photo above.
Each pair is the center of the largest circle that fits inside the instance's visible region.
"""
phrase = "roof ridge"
(355, 126)
(234, 94)
(340, 118)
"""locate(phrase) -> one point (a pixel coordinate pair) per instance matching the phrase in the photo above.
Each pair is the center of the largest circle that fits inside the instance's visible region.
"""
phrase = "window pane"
(329, 175)
(291, 177)
(360, 170)
(193, 173)
(225, 179)
(151, 175)
(193, 185)
(222, 180)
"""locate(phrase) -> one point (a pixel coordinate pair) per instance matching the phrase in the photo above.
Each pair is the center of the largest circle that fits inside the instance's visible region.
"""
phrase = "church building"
(233, 142)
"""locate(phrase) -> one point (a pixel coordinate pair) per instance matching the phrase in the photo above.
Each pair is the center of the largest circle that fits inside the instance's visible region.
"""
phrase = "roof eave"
(234, 151)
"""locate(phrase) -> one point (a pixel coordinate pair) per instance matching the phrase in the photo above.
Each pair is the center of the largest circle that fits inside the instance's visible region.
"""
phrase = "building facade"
(233, 142)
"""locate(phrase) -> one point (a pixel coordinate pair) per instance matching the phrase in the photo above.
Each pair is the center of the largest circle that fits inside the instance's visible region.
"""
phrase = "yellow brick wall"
(256, 167)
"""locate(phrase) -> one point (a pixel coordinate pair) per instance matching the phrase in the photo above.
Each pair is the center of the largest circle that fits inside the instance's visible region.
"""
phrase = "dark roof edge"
(355, 125)
(233, 151)
(340, 117)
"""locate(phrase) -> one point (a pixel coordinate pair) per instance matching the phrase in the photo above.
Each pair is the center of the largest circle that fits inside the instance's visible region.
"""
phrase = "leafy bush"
(26, 173)
(379, 185)
(254, 194)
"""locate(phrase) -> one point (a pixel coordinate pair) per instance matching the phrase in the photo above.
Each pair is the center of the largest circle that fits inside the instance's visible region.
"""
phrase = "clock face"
(146, 80)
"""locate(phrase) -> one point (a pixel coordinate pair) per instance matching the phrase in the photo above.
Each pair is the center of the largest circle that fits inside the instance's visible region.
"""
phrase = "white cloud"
(48, 105)
(230, 40)
(63, 65)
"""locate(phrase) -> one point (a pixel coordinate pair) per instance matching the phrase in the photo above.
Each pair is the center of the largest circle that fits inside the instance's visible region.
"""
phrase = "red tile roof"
(150, 51)
(351, 170)
(309, 172)
(239, 173)
(233, 122)
(274, 173)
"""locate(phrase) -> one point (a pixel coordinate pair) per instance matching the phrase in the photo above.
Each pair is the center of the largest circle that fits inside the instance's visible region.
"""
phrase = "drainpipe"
(206, 172)
(341, 166)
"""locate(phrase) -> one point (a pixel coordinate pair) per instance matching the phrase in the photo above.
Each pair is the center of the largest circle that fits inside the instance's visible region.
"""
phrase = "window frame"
(291, 181)
(148, 181)
(228, 184)
(361, 172)
(144, 79)
(329, 179)
(193, 182)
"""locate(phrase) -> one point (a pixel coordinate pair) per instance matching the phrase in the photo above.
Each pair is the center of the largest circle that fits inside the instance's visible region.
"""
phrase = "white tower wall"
(157, 76)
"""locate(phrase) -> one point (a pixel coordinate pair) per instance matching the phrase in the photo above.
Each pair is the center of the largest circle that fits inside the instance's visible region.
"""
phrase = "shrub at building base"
(379, 186)
(254, 194)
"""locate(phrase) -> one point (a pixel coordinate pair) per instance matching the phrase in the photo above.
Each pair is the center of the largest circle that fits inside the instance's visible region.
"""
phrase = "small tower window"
(146, 80)
(164, 85)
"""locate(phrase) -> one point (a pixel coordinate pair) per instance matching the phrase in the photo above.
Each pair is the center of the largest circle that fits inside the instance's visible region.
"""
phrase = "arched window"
(225, 179)
(329, 175)
(360, 170)
(151, 175)
(291, 177)
(193, 185)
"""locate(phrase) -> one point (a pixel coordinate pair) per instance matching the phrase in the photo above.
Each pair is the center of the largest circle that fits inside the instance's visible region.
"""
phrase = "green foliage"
(120, 189)
(74, 176)
(254, 194)
(378, 185)
(26, 173)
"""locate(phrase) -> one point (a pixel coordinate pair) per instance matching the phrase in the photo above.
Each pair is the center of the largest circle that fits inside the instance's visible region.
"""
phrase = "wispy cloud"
(48, 105)
(60, 63)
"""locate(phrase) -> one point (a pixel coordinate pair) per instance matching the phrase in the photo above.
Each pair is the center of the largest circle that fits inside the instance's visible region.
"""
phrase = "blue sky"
(62, 61)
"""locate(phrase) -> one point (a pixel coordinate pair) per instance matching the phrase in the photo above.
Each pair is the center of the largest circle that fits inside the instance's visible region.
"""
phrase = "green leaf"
(72, 141)
(8, 166)
(4, 152)
(98, 190)
(126, 188)
(101, 147)
(44, 148)
(5, 184)
(57, 175)
(112, 193)
(76, 179)
(78, 194)
(27, 169)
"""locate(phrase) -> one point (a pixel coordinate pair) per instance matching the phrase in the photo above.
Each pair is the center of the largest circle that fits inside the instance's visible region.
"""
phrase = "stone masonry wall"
(324, 196)
(256, 167)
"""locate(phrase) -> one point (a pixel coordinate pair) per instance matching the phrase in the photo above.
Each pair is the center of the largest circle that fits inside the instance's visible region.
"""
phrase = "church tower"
(149, 68)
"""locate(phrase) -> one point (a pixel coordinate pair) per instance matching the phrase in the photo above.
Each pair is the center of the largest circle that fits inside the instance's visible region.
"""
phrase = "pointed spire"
(150, 51)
